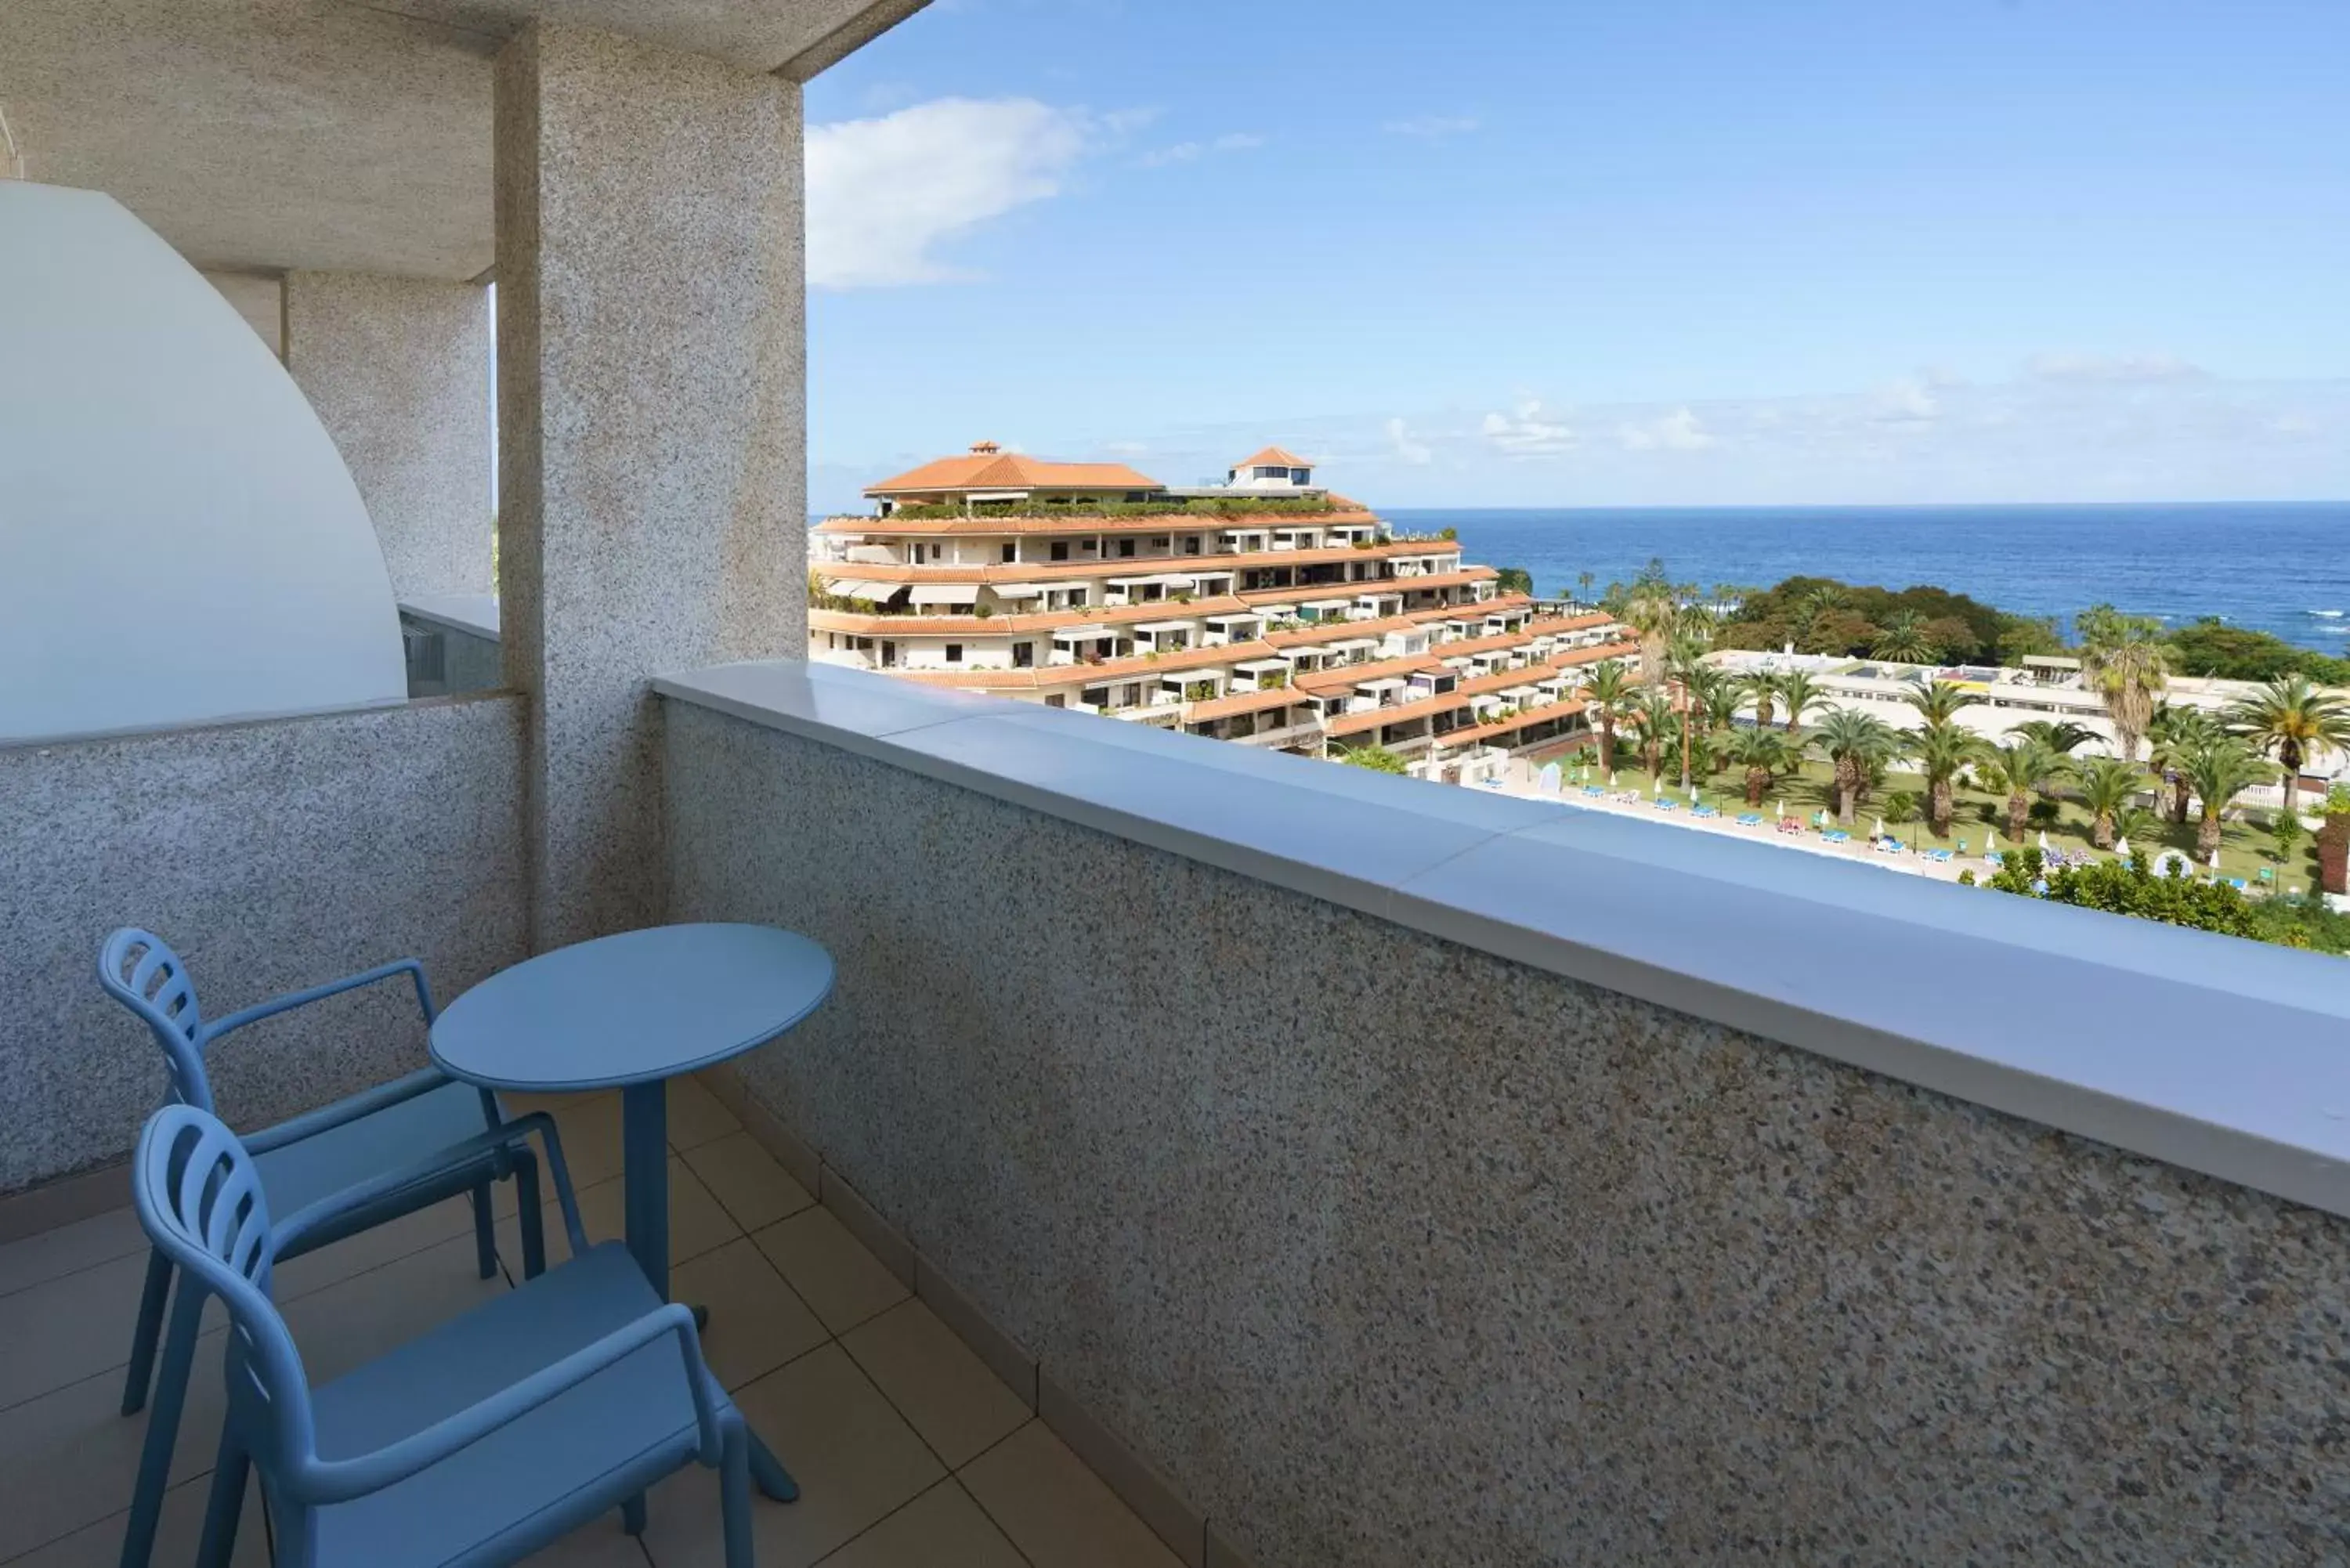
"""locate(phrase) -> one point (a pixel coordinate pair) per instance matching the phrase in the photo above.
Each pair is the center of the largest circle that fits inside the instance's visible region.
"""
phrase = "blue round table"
(631, 1011)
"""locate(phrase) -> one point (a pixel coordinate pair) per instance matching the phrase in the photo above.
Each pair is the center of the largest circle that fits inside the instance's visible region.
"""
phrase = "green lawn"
(2245, 848)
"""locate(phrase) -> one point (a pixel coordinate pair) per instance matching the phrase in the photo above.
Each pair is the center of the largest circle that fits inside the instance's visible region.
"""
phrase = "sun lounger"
(1750, 819)
(1664, 804)
(1995, 856)
(1705, 811)
(1838, 836)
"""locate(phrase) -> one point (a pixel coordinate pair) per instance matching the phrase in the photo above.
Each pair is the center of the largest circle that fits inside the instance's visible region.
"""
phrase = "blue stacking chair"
(416, 1141)
(475, 1445)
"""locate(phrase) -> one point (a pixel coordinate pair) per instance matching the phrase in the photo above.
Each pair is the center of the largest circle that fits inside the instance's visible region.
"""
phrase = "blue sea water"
(2283, 568)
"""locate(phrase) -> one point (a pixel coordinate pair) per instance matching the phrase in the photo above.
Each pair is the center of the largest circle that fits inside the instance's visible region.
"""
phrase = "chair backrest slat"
(140, 971)
(200, 1202)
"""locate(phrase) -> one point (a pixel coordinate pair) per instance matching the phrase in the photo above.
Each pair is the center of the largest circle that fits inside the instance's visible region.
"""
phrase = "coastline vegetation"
(1686, 723)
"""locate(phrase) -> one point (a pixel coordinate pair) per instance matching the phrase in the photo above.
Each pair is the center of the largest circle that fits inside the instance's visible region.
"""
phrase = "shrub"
(1902, 805)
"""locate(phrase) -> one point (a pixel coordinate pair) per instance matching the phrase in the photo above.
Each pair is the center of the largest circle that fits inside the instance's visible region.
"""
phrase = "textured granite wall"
(1387, 1251)
(273, 855)
(652, 468)
(398, 372)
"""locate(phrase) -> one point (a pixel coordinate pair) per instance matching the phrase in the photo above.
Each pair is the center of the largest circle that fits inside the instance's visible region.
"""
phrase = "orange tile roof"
(1501, 680)
(1343, 513)
(1240, 702)
(1001, 625)
(1273, 456)
(1053, 675)
(1150, 565)
(1011, 471)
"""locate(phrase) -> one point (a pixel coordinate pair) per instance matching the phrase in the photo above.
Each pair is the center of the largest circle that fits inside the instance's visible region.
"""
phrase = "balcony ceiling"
(264, 135)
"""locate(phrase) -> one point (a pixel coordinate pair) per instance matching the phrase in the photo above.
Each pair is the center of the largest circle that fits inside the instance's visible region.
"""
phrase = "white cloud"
(1431, 126)
(883, 193)
(1530, 430)
(1678, 430)
(1906, 400)
(2112, 368)
(1191, 152)
(1404, 449)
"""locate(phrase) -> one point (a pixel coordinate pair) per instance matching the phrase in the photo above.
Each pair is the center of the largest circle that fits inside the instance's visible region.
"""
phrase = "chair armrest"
(411, 968)
(290, 1234)
(317, 1481)
(365, 1102)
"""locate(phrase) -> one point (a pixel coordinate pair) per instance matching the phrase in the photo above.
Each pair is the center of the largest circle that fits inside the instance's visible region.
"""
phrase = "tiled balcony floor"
(909, 1451)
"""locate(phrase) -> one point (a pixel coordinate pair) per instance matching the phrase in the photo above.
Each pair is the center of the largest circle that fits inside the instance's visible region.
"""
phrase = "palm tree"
(1801, 693)
(1855, 744)
(2174, 735)
(1652, 716)
(1724, 696)
(1607, 693)
(1764, 753)
(1942, 752)
(1762, 689)
(2126, 662)
(1652, 613)
(2220, 772)
(1939, 701)
(1902, 639)
(2018, 770)
(1582, 581)
(1686, 658)
(2289, 718)
(2107, 783)
(2059, 735)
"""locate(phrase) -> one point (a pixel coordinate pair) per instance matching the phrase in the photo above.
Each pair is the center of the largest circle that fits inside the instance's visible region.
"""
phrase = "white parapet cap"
(1382, 683)
(1161, 579)
(1081, 633)
(945, 594)
(2211, 1053)
(1156, 627)
(1020, 590)
(1233, 618)
(1349, 644)
(1329, 604)
(1261, 666)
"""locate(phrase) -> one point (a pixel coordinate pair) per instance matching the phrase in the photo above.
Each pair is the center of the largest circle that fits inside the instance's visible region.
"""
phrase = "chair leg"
(734, 1496)
(163, 1423)
(485, 1235)
(221, 1514)
(632, 1515)
(534, 1223)
(151, 1302)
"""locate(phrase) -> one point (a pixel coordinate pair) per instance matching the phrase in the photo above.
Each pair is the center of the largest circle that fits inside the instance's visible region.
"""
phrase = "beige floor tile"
(943, 1528)
(756, 1322)
(598, 1544)
(958, 1405)
(697, 1223)
(68, 1249)
(696, 1115)
(63, 1329)
(68, 1458)
(1058, 1511)
(181, 1527)
(833, 1273)
(854, 1457)
(745, 1178)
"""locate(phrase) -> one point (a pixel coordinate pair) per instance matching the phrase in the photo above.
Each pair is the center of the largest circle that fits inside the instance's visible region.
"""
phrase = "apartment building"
(1265, 609)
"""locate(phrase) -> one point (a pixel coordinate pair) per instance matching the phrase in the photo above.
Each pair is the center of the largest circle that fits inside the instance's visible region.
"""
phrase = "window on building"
(1060, 549)
(1094, 696)
(954, 653)
(1024, 655)
(1126, 548)
(1056, 700)
(1011, 550)
(1191, 545)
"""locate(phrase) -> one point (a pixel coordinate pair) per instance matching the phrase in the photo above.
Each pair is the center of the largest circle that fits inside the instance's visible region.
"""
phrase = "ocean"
(2283, 568)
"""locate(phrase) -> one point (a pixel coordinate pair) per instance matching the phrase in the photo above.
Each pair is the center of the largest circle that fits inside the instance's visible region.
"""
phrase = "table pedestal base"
(644, 1144)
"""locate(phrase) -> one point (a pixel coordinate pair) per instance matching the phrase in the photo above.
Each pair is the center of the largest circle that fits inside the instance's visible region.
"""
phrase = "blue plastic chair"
(432, 1137)
(477, 1444)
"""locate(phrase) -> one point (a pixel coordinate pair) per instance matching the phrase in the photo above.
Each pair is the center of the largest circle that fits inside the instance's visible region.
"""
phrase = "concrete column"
(398, 372)
(653, 473)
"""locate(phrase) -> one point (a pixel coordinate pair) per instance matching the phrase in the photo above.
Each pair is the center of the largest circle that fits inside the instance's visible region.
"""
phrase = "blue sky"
(1658, 253)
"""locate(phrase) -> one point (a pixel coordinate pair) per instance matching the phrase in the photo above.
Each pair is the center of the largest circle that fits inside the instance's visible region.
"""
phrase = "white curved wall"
(180, 541)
